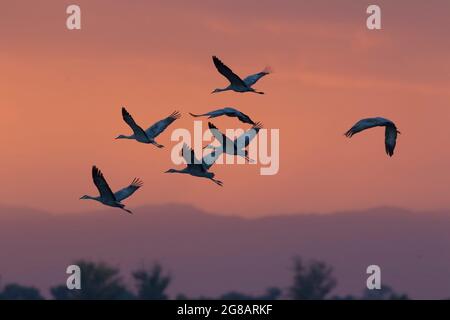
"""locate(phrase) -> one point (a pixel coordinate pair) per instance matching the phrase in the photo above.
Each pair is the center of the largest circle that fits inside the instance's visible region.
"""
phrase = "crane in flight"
(236, 83)
(227, 111)
(195, 167)
(147, 136)
(107, 197)
(390, 135)
(237, 146)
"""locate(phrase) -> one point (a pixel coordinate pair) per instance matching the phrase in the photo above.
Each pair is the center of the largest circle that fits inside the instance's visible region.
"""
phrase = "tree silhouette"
(385, 293)
(98, 281)
(271, 293)
(15, 291)
(151, 283)
(313, 281)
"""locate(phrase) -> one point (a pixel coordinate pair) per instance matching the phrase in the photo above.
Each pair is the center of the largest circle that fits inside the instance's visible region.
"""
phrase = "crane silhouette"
(236, 83)
(391, 131)
(227, 111)
(147, 136)
(107, 197)
(195, 167)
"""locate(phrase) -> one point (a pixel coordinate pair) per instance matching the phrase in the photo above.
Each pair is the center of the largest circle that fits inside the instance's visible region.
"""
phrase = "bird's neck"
(93, 198)
(125, 137)
(178, 171)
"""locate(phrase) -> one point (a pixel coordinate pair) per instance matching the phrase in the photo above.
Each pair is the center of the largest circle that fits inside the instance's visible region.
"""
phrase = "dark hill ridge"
(209, 254)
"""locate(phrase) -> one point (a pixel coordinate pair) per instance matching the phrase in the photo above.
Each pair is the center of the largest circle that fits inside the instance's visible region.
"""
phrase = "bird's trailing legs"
(157, 144)
(129, 211)
(122, 206)
(249, 160)
(258, 92)
(218, 182)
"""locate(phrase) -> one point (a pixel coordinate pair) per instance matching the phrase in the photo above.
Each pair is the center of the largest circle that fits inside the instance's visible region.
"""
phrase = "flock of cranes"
(237, 147)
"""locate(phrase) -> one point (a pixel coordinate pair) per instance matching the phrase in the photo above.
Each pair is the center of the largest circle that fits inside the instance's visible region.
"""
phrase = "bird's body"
(236, 83)
(237, 146)
(147, 136)
(107, 197)
(195, 167)
(390, 131)
(229, 112)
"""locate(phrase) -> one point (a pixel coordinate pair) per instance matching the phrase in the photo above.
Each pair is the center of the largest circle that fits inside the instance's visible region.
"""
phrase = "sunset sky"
(61, 93)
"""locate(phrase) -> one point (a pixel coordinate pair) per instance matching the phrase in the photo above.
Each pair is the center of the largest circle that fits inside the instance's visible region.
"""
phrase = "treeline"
(313, 280)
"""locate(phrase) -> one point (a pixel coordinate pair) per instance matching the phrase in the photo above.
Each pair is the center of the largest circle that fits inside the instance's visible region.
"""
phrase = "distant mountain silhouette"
(209, 254)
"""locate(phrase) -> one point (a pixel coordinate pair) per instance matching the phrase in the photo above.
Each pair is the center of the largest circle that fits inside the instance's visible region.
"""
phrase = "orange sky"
(61, 93)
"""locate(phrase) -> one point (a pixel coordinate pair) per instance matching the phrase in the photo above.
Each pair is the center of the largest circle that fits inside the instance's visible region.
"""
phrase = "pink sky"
(61, 93)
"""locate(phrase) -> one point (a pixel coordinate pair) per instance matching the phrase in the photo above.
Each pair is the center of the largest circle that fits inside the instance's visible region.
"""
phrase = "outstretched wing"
(212, 114)
(252, 79)
(137, 130)
(244, 140)
(366, 124)
(390, 139)
(211, 158)
(189, 156)
(228, 111)
(124, 193)
(244, 118)
(228, 73)
(223, 139)
(102, 185)
(161, 125)
(232, 112)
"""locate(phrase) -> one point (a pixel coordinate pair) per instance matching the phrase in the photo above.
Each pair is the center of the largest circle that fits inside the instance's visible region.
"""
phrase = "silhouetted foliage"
(312, 281)
(151, 284)
(272, 293)
(98, 281)
(385, 293)
(14, 291)
(346, 297)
